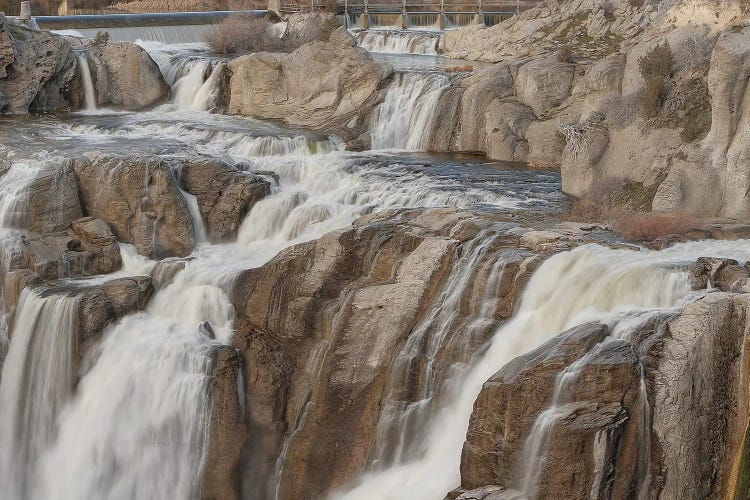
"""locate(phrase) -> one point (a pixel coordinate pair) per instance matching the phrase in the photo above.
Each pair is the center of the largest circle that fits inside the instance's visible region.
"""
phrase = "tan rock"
(320, 85)
(140, 200)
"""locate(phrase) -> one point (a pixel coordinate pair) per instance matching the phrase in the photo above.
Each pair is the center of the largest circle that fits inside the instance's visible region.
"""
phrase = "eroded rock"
(225, 195)
(139, 198)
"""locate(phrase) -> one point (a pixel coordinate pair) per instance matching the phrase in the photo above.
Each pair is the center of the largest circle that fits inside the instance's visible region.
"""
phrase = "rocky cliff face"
(573, 88)
(658, 413)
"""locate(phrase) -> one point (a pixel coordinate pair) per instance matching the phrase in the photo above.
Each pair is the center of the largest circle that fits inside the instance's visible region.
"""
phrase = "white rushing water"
(400, 42)
(588, 284)
(89, 92)
(37, 379)
(406, 118)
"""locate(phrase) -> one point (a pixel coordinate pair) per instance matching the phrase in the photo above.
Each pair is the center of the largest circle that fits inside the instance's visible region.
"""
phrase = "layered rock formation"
(328, 331)
(225, 195)
(140, 199)
(588, 86)
(660, 412)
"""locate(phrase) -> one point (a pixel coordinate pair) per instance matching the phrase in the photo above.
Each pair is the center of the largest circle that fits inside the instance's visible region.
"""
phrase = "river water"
(134, 425)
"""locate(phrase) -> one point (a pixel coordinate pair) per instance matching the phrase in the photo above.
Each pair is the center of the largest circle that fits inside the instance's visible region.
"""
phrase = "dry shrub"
(460, 69)
(656, 67)
(649, 227)
(243, 34)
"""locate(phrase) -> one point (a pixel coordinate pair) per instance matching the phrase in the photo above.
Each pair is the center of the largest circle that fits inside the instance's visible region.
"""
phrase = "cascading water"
(89, 92)
(406, 118)
(401, 42)
(587, 284)
(152, 378)
(37, 379)
(198, 90)
(398, 439)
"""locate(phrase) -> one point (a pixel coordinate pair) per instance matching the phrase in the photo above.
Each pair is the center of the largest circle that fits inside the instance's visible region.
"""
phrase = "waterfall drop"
(89, 91)
(405, 119)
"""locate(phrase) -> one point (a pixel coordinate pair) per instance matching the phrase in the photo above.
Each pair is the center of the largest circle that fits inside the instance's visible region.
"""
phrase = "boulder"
(62, 255)
(140, 200)
(225, 195)
(103, 305)
(506, 123)
(125, 76)
(321, 85)
(39, 72)
(53, 202)
(543, 84)
(481, 89)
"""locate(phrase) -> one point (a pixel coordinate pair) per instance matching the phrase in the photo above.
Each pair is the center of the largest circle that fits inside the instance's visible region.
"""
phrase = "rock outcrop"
(323, 331)
(36, 69)
(140, 199)
(225, 195)
(125, 76)
(661, 411)
(322, 85)
(39, 72)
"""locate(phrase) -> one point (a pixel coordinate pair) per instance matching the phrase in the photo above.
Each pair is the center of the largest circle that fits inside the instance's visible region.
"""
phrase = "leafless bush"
(243, 34)
(577, 135)
(648, 227)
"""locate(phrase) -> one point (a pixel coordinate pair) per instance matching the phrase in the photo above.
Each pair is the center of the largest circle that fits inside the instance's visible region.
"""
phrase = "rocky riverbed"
(291, 276)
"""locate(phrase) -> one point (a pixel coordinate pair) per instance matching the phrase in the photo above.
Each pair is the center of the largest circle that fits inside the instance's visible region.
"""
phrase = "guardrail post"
(404, 20)
(479, 17)
(25, 11)
(346, 14)
(366, 16)
(441, 16)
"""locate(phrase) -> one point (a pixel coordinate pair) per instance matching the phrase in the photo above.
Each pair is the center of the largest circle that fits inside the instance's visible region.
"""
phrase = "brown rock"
(225, 195)
(139, 198)
(227, 428)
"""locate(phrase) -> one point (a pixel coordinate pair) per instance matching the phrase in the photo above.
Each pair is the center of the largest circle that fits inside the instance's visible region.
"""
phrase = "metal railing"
(406, 8)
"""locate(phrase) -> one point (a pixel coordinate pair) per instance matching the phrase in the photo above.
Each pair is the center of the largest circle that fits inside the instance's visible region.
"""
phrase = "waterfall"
(403, 42)
(406, 117)
(137, 425)
(161, 34)
(587, 284)
(14, 189)
(89, 92)
(37, 379)
(396, 439)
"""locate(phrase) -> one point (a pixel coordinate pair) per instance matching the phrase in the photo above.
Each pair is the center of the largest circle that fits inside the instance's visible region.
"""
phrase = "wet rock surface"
(140, 200)
(225, 195)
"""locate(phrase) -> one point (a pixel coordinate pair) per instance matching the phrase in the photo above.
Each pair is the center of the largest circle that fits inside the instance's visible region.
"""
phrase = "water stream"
(135, 425)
